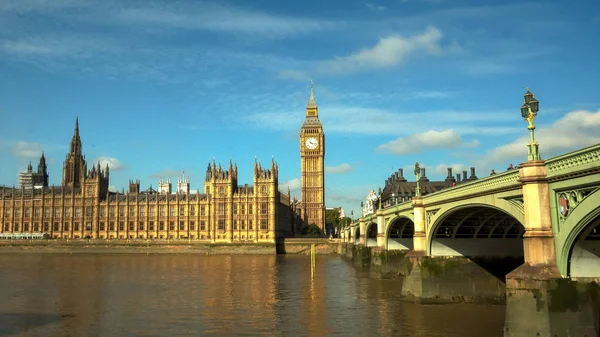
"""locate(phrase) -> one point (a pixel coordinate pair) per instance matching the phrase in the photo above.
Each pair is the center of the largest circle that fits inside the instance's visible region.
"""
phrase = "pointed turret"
(312, 111)
(29, 168)
(42, 164)
(75, 167)
(311, 98)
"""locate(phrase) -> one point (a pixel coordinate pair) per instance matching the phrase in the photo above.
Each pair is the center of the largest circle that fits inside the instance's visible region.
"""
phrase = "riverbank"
(287, 246)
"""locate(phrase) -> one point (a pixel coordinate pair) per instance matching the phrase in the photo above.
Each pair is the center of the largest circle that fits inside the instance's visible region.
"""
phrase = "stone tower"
(42, 173)
(312, 165)
(75, 167)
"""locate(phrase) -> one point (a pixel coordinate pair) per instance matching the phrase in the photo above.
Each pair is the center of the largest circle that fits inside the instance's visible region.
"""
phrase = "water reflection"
(192, 295)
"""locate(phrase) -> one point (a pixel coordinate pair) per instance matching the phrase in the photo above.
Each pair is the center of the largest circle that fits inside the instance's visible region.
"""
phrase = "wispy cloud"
(219, 17)
(113, 163)
(447, 139)
(576, 129)
(374, 6)
(293, 185)
(339, 169)
(389, 51)
(360, 120)
(291, 74)
(23, 149)
(442, 168)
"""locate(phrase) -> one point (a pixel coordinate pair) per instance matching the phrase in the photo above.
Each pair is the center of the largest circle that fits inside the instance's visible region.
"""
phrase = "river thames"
(219, 295)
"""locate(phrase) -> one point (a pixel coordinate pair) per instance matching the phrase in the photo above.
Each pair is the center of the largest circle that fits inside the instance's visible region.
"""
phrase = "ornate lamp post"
(529, 111)
(417, 173)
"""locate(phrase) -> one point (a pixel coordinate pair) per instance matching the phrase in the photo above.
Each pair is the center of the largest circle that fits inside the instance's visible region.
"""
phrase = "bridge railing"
(499, 181)
(581, 160)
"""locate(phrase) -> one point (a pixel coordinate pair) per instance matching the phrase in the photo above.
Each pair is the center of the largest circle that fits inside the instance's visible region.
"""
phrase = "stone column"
(539, 302)
(352, 235)
(380, 229)
(419, 238)
(363, 235)
(538, 241)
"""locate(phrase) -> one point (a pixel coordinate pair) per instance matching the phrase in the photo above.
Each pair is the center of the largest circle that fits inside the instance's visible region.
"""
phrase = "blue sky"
(162, 87)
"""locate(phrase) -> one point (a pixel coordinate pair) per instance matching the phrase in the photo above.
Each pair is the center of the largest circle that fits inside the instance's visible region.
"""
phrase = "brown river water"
(220, 295)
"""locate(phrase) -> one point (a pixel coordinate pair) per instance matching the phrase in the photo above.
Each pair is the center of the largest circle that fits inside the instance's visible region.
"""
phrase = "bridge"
(529, 236)
(547, 212)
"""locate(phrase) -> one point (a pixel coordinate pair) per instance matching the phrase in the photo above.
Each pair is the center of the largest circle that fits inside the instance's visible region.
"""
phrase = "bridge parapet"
(574, 163)
(508, 180)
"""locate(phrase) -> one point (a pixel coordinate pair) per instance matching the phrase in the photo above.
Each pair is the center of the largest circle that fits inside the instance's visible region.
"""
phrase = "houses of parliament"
(83, 207)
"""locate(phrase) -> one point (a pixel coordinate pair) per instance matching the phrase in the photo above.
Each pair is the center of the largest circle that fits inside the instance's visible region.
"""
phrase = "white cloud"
(113, 188)
(575, 130)
(26, 149)
(442, 169)
(360, 120)
(291, 74)
(340, 169)
(447, 139)
(374, 7)
(113, 163)
(294, 185)
(388, 52)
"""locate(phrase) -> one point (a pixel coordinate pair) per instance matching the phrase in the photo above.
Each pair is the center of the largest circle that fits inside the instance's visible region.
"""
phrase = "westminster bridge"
(543, 216)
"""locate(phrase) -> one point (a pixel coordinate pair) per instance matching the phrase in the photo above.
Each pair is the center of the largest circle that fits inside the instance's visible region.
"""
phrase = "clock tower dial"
(312, 165)
(312, 143)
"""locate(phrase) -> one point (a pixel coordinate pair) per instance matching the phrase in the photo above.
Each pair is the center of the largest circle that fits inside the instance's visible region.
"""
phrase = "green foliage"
(332, 218)
(312, 230)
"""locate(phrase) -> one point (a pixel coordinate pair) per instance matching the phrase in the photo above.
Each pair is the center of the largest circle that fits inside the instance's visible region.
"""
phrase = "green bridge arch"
(577, 222)
(442, 213)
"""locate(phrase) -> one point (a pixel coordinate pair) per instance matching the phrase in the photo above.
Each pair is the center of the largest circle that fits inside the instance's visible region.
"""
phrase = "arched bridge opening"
(400, 234)
(371, 236)
(584, 258)
(488, 236)
(357, 235)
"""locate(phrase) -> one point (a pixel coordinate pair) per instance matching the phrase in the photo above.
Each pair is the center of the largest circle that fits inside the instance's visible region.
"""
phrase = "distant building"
(29, 179)
(83, 206)
(398, 190)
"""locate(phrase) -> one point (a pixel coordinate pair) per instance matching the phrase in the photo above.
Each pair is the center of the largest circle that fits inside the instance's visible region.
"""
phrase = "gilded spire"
(311, 99)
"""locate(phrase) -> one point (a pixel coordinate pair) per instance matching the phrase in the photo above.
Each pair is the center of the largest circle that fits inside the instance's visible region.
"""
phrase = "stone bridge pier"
(539, 301)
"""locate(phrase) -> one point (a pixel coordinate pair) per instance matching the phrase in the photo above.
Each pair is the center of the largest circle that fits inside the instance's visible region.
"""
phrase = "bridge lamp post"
(380, 200)
(529, 111)
(417, 173)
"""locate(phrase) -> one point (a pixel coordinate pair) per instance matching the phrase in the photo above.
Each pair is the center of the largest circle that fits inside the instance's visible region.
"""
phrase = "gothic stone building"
(83, 206)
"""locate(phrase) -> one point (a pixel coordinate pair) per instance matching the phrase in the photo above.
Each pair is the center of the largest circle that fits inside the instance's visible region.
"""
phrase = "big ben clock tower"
(312, 165)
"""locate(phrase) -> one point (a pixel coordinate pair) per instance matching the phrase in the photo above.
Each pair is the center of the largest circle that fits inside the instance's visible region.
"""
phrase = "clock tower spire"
(312, 165)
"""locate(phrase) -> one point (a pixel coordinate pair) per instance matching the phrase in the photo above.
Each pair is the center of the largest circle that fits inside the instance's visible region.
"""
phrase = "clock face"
(312, 143)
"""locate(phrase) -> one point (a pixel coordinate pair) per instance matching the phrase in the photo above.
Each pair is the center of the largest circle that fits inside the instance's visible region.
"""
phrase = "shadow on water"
(13, 323)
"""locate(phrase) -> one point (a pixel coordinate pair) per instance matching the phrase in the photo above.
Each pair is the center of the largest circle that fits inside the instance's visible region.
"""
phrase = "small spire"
(311, 99)
(76, 132)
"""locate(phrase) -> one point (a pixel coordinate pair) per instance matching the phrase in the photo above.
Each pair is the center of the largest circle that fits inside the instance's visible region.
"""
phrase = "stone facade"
(83, 206)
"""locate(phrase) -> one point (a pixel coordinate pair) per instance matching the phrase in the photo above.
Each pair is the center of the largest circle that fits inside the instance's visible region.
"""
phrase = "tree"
(332, 218)
(312, 230)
